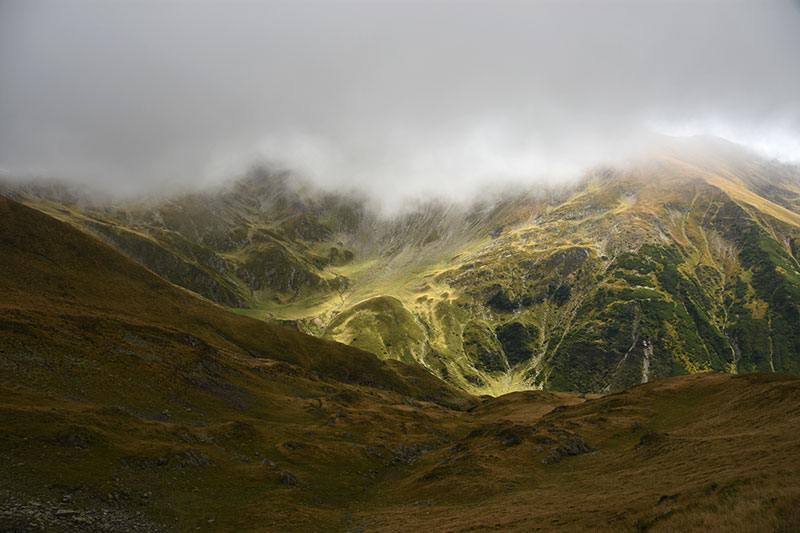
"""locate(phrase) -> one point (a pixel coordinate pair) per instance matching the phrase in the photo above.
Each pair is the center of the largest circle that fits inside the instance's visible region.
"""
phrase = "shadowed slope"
(54, 270)
(145, 407)
(685, 261)
(131, 405)
(693, 453)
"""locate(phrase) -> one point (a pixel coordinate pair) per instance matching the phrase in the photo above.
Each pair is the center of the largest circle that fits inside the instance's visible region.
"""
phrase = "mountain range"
(132, 404)
(680, 262)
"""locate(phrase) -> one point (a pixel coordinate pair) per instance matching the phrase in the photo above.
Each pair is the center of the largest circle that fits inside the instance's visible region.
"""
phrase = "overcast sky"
(397, 98)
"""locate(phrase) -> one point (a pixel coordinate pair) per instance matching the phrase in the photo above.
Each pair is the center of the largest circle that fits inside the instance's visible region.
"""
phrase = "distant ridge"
(684, 261)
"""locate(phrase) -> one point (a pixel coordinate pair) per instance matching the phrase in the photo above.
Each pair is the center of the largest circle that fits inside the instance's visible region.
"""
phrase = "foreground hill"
(693, 453)
(118, 384)
(131, 405)
(683, 262)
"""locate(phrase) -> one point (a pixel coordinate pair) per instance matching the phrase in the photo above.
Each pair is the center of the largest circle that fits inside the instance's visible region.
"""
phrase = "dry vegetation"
(129, 404)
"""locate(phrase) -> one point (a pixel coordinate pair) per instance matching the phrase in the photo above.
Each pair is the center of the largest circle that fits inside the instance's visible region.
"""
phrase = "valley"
(130, 404)
(393, 266)
(683, 262)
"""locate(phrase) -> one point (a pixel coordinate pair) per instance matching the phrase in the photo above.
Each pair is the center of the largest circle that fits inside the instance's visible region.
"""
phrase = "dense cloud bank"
(396, 98)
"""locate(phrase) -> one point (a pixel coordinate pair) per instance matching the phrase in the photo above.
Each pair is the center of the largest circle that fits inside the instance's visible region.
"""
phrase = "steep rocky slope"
(129, 404)
(683, 262)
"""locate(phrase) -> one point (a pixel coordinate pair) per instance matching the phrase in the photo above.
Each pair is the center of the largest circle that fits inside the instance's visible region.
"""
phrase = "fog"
(398, 99)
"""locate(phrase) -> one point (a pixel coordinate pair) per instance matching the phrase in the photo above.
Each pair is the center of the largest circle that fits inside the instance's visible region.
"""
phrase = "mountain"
(129, 404)
(123, 392)
(684, 261)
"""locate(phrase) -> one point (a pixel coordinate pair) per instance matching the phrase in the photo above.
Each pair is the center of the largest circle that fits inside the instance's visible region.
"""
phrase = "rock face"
(569, 444)
(687, 263)
(33, 514)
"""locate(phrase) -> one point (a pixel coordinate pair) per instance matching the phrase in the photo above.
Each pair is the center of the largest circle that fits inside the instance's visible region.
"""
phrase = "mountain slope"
(131, 405)
(143, 405)
(683, 262)
(50, 266)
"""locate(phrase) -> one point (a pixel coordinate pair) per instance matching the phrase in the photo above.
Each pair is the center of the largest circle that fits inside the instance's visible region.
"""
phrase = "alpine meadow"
(399, 266)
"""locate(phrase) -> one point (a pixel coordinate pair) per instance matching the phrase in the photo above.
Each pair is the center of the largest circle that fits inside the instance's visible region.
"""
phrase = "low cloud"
(399, 99)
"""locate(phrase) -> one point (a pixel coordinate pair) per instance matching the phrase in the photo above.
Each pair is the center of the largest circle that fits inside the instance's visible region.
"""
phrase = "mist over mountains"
(380, 266)
(681, 262)
(399, 100)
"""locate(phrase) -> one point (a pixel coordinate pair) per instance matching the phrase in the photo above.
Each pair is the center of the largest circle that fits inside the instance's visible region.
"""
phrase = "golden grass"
(130, 394)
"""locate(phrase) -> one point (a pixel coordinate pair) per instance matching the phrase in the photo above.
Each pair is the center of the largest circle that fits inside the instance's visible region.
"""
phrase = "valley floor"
(705, 452)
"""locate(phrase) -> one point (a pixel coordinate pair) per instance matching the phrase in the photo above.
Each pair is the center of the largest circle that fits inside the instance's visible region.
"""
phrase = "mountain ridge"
(527, 291)
(130, 404)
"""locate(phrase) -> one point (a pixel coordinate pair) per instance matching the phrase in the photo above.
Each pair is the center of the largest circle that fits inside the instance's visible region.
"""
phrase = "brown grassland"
(131, 404)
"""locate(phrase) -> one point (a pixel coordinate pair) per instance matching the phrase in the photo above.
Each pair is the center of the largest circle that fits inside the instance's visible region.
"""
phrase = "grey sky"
(397, 98)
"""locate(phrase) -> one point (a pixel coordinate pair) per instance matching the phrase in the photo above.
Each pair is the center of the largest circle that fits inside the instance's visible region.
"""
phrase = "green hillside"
(129, 404)
(682, 263)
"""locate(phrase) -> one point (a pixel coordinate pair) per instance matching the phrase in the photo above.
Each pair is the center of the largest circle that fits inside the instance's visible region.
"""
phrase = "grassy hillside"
(694, 453)
(58, 273)
(129, 404)
(685, 262)
(147, 407)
